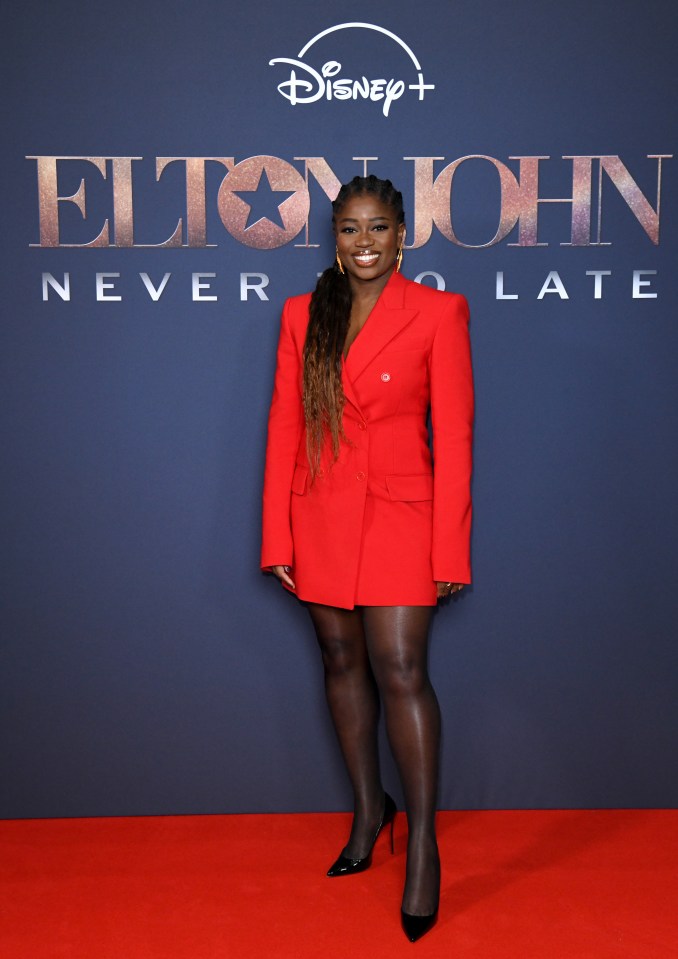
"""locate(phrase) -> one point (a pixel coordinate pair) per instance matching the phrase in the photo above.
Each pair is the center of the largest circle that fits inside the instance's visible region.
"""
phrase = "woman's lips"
(366, 259)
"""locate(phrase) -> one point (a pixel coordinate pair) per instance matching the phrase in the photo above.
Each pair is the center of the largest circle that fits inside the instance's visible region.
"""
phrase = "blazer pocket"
(412, 488)
(299, 479)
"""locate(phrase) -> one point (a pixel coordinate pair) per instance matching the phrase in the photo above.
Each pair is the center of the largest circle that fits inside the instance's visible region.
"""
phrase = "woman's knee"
(401, 675)
(341, 639)
(341, 654)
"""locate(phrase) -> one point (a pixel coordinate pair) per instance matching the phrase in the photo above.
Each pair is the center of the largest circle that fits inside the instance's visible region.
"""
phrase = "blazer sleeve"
(285, 424)
(452, 407)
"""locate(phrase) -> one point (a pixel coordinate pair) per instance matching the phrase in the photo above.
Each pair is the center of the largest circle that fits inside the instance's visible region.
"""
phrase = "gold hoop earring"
(339, 263)
(399, 259)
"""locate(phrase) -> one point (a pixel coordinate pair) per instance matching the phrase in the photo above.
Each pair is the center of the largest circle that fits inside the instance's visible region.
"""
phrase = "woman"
(357, 522)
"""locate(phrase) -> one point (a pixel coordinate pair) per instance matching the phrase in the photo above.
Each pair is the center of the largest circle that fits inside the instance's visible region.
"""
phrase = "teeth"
(365, 257)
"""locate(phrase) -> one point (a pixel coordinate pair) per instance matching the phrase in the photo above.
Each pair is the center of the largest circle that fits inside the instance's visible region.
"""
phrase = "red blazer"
(413, 352)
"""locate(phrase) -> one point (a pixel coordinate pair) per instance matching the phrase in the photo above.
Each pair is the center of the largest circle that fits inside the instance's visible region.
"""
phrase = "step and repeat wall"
(168, 171)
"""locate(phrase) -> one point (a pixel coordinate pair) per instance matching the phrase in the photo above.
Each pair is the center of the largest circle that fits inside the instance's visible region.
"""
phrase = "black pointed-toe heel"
(415, 927)
(344, 866)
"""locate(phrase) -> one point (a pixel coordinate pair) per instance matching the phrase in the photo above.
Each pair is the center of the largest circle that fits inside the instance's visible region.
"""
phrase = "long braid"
(329, 319)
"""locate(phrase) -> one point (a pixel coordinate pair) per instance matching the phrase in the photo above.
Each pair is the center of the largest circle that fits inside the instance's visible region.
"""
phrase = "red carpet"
(516, 885)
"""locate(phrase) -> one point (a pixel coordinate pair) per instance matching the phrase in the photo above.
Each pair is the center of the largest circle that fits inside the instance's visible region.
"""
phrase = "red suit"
(380, 525)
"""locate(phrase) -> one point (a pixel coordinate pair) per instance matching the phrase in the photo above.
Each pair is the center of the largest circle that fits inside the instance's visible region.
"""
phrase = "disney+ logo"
(307, 85)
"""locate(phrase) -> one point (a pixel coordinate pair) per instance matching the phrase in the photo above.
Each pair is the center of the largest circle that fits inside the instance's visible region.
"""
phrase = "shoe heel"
(390, 813)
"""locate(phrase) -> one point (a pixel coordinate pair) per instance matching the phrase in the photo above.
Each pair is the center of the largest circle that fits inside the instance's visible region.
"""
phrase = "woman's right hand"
(283, 574)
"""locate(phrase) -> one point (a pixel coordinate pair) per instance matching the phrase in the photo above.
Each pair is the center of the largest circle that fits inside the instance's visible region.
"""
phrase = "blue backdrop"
(148, 667)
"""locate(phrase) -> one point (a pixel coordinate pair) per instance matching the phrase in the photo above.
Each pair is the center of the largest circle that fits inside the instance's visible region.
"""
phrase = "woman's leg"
(354, 705)
(397, 641)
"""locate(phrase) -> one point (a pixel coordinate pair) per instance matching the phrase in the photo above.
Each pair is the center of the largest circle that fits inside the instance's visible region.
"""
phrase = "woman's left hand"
(447, 589)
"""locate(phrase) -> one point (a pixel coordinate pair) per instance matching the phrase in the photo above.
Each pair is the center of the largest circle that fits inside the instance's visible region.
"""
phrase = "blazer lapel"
(347, 386)
(387, 319)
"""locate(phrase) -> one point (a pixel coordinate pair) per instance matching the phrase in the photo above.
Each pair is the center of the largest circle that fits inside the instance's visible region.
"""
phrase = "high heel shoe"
(344, 866)
(414, 927)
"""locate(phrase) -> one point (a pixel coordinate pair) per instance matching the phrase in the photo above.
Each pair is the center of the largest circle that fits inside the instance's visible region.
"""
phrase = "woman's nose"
(364, 240)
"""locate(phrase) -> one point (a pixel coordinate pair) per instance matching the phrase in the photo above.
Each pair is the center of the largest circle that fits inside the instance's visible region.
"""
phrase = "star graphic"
(262, 200)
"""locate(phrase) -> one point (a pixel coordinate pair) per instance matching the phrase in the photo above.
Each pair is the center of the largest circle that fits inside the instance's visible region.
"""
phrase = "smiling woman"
(369, 242)
(357, 523)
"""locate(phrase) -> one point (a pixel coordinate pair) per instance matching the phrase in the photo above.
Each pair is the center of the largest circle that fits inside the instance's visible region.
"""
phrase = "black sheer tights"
(380, 652)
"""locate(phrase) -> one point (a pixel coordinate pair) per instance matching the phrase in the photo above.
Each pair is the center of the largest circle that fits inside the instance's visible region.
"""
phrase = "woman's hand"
(282, 572)
(446, 589)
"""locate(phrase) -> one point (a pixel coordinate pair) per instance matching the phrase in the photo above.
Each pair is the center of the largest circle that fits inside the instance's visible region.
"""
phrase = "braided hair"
(329, 319)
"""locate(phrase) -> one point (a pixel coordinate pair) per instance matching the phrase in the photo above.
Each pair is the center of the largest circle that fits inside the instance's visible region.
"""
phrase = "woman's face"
(368, 237)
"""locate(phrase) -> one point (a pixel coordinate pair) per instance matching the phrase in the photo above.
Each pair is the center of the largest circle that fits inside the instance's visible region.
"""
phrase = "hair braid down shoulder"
(329, 319)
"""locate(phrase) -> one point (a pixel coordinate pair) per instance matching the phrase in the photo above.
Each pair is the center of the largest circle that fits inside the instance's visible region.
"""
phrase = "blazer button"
(386, 377)
(360, 475)
(361, 426)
